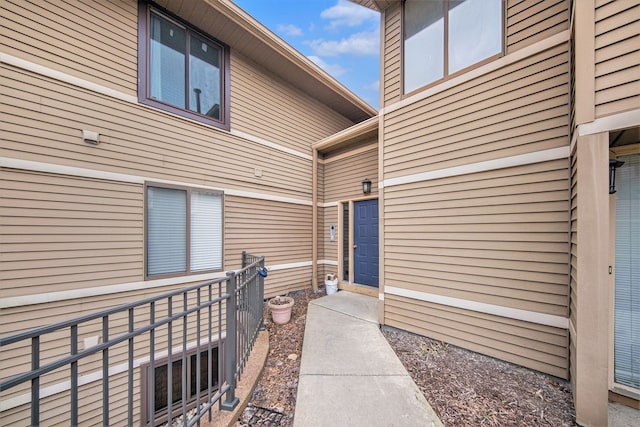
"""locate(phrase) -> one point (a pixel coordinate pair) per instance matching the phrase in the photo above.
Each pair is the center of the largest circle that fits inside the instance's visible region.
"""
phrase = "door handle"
(355, 246)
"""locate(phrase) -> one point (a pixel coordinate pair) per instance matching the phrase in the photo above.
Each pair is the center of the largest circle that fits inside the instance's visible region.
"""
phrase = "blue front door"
(365, 242)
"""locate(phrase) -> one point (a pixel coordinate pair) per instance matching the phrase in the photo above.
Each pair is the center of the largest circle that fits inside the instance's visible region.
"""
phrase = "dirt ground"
(463, 387)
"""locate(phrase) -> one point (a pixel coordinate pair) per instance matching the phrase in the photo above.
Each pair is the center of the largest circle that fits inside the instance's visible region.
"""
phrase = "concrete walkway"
(349, 375)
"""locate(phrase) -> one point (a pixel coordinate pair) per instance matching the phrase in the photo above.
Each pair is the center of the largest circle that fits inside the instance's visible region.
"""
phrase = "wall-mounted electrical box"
(332, 232)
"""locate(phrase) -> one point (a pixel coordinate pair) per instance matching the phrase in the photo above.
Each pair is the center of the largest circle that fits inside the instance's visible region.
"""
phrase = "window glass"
(181, 70)
(166, 230)
(170, 250)
(162, 382)
(442, 37)
(475, 32)
(206, 231)
(166, 68)
(204, 78)
(423, 43)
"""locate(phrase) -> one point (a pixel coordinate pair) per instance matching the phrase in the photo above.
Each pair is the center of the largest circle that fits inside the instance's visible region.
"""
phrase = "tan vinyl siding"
(44, 118)
(95, 41)
(535, 346)
(265, 106)
(281, 282)
(344, 171)
(392, 64)
(531, 21)
(62, 233)
(617, 56)
(497, 237)
(279, 231)
(343, 177)
(518, 109)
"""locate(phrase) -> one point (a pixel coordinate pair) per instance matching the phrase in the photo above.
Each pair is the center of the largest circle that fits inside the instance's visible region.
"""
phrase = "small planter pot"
(280, 308)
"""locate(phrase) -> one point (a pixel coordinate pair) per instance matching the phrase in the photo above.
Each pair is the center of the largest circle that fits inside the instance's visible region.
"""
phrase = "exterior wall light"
(613, 165)
(366, 186)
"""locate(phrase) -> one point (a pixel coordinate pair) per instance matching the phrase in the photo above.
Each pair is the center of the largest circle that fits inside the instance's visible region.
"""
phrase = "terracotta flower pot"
(280, 308)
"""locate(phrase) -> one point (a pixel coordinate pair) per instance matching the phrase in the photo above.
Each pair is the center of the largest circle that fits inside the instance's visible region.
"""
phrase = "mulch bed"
(274, 399)
(470, 389)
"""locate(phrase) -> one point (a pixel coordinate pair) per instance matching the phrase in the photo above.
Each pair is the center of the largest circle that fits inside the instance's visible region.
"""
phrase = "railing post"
(230, 399)
(261, 295)
(244, 259)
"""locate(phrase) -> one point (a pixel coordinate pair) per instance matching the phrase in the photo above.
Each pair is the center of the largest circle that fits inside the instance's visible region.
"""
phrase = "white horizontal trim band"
(50, 297)
(327, 262)
(506, 162)
(270, 144)
(328, 205)
(66, 78)
(606, 124)
(496, 310)
(97, 88)
(289, 266)
(135, 179)
(511, 58)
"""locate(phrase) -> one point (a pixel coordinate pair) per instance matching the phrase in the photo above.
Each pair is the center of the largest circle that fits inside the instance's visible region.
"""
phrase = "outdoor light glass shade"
(366, 186)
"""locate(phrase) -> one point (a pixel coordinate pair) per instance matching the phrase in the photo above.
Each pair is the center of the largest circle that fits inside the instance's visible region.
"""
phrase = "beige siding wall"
(517, 109)
(497, 237)
(391, 55)
(61, 232)
(95, 41)
(527, 22)
(617, 56)
(265, 106)
(44, 119)
(280, 231)
(344, 171)
(535, 346)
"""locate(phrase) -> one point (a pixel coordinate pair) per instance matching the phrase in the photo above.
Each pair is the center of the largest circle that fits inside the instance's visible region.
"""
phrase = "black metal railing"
(219, 319)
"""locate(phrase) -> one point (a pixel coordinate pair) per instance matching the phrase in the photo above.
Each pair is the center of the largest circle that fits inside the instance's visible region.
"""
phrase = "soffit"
(227, 22)
(364, 131)
(378, 5)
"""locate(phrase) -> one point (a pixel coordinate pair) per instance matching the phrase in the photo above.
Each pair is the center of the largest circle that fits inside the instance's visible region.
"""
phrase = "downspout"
(314, 221)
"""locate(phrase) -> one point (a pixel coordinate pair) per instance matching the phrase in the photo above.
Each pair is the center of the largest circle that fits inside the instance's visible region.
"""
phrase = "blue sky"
(341, 37)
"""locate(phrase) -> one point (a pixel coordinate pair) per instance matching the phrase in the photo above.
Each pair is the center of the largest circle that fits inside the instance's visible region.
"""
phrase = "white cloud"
(289, 30)
(345, 13)
(333, 69)
(375, 86)
(364, 44)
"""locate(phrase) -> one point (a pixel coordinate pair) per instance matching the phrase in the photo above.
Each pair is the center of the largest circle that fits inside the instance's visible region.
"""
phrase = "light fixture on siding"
(366, 186)
(613, 165)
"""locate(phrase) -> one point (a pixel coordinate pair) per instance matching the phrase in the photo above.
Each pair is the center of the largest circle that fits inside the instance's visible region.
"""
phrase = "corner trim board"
(496, 310)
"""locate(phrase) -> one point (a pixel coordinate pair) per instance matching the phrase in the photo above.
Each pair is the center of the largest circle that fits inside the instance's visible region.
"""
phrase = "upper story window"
(444, 37)
(181, 70)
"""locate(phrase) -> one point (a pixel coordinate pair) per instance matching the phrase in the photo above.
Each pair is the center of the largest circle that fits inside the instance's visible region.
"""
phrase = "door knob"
(355, 246)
